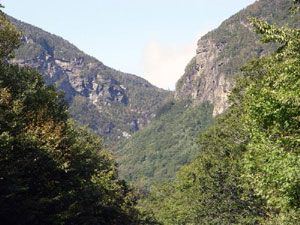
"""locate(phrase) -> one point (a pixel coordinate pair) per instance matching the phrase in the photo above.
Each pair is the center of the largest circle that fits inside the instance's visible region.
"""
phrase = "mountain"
(114, 104)
(221, 53)
(156, 152)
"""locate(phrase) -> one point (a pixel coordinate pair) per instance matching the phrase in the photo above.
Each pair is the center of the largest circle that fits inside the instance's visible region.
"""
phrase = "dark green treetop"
(50, 171)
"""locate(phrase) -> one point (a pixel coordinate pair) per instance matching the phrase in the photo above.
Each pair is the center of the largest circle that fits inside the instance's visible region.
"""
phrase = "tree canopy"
(247, 171)
(52, 172)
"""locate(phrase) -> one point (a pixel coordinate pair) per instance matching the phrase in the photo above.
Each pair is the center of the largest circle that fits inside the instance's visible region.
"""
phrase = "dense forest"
(52, 172)
(246, 169)
(156, 152)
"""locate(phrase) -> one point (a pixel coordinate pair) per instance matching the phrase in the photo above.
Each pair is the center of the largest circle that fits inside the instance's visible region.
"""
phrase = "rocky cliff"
(220, 54)
(169, 141)
(117, 104)
(113, 103)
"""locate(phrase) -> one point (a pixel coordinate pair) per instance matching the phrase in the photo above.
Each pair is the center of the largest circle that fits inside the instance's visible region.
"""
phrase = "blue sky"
(153, 39)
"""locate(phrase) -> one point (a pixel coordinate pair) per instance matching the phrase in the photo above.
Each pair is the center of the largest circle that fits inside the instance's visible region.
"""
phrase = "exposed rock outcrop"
(220, 54)
(111, 102)
(205, 81)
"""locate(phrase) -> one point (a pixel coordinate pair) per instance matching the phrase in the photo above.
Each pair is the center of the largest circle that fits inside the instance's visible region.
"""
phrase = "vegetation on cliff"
(222, 51)
(247, 171)
(111, 102)
(244, 169)
(158, 151)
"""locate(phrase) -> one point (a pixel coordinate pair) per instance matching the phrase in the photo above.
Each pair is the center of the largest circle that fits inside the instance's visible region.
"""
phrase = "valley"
(109, 147)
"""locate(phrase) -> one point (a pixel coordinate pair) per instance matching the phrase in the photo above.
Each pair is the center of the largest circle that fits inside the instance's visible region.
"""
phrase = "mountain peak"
(220, 54)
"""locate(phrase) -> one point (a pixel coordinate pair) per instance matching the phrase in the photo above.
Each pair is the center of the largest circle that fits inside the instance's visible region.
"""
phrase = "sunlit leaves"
(272, 109)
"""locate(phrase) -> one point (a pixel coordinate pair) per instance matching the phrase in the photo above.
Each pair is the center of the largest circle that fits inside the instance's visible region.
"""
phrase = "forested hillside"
(156, 152)
(230, 133)
(116, 105)
(247, 169)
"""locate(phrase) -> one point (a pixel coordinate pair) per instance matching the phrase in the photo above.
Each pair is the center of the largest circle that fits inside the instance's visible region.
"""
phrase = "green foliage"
(272, 103)
(156, 152)
(41, 43)
(208, 191)
(9, 38)
(239, 42)
(50, 171)
(247, 171)
(92, 117)
(235, 42)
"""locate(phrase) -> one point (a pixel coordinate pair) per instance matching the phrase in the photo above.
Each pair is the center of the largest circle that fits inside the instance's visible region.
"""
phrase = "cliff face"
(75, 76)
(113, 103)
(220, 53)
(205, 81)
(169, 141)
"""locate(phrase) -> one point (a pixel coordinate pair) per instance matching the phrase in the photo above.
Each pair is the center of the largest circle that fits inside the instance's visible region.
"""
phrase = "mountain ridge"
(208, 79)
(221, 52)
(114, 104)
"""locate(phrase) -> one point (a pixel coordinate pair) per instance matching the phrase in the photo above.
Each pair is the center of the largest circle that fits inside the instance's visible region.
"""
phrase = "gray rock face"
(214, 87)
(76, 77)
(113, 103)
(222, 52)
(205, 81)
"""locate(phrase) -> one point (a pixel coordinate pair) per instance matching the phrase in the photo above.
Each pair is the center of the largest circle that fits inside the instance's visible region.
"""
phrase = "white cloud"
(164, 64)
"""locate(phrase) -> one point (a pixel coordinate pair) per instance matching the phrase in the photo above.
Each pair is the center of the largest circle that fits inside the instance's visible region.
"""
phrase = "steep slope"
(168, 142)
(156, 152)
(113, 103)
(221, 53)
